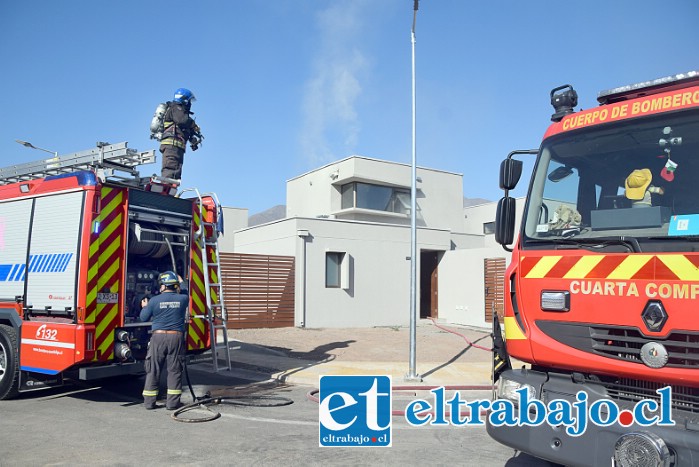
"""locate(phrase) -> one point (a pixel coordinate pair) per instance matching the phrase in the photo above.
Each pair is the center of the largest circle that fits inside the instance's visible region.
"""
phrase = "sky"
(286, 86)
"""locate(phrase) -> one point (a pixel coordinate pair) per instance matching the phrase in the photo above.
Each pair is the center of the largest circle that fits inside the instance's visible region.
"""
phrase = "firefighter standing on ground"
(179, 128)
(167, 312)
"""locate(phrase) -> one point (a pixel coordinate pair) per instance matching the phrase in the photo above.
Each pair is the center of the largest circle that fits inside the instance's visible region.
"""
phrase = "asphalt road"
(106, 424)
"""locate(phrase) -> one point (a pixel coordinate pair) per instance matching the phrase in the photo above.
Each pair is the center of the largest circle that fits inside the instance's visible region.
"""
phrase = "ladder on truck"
(216, 315)
(108, 161)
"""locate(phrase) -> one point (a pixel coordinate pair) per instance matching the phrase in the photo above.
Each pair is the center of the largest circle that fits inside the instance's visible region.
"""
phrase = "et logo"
(355, 411)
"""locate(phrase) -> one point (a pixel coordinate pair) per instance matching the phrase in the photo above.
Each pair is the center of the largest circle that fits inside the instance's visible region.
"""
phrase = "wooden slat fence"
(258, 290)
(494, 287)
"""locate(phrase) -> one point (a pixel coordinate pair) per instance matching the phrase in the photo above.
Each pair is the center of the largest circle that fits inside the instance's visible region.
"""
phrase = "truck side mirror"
(510, 172)
(505, 222)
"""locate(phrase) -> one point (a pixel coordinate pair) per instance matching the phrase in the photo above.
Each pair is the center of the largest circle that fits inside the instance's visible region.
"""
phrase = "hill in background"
(475, 201)
(268, 215)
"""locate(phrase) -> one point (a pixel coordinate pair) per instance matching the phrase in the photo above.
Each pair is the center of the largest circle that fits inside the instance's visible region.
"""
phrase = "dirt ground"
(433, 342)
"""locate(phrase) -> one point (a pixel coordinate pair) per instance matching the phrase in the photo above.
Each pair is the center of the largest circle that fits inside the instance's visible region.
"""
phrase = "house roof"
(373, 160)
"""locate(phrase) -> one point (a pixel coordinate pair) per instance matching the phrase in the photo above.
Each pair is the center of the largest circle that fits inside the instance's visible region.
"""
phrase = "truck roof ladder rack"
(116, 162)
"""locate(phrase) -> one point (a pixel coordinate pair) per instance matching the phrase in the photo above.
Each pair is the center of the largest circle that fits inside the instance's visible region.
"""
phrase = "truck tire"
(9, 362)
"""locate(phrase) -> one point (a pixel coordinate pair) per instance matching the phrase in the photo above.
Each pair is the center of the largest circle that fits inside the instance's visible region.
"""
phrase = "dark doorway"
(428, 283)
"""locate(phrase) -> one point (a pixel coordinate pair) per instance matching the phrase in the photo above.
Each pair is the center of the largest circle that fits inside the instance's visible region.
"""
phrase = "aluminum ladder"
(216, 315)
(106, 160)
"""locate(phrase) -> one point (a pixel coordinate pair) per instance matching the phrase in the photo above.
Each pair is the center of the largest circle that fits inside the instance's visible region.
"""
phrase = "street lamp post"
(27, 144)
(412, 374)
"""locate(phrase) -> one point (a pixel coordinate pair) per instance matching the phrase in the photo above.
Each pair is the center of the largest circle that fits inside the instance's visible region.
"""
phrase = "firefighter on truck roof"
(178, 129)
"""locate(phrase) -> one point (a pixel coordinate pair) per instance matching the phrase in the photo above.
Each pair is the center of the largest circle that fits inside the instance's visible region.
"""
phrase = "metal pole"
(412, 375)
(303, 234)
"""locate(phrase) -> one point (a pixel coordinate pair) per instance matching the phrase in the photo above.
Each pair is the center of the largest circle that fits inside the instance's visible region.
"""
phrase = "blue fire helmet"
(184, 96)
(168, 278)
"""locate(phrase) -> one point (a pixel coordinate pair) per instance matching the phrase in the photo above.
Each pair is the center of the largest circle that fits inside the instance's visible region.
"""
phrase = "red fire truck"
(82, 239)
(602, 291)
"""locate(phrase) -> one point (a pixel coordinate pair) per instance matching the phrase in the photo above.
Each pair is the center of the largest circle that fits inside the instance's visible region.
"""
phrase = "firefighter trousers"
(164, 351)
(173, 158)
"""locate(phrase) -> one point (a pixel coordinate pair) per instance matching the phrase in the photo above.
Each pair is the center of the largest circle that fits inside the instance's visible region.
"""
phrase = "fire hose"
(206, 401)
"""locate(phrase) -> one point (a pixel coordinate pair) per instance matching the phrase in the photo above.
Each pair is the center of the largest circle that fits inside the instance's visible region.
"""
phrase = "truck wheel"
(9, 363)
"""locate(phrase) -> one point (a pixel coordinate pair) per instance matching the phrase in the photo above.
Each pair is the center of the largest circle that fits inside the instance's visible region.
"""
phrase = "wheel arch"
(10, 381)
(10, 317)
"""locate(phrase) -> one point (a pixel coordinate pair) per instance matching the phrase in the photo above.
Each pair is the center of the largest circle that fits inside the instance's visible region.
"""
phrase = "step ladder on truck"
(85, 237)
(206, 237)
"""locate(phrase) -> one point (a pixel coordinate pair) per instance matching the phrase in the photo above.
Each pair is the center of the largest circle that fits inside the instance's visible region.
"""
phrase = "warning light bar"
(646, 88)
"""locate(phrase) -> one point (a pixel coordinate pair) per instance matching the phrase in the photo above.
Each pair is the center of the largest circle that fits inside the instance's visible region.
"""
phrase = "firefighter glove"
(194, 143)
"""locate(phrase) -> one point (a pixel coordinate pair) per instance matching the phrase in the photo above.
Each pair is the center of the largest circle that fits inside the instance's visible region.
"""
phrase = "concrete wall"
(275, 238)
(462, 285)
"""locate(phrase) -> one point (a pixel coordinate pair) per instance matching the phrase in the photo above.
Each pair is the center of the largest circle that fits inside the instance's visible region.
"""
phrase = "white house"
(348, 227)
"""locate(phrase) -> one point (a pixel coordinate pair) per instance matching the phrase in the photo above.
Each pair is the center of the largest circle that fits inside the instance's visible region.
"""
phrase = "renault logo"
(654, 315)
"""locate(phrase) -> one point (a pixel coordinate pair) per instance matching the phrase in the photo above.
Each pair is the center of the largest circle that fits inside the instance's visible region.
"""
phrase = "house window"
(333, 268)
(489, 228)
(375, 197)
(347, 196)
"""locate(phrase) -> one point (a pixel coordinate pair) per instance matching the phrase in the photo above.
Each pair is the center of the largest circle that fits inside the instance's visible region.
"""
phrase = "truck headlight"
(507, 389)
(555, 300)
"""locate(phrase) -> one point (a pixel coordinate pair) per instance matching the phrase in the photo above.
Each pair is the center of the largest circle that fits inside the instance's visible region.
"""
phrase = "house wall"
(275, 238)
(376, 292)
(462, 285)
(462, 272)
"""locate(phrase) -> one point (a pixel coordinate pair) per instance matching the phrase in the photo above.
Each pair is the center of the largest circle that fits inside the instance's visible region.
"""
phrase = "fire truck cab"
(83, 239)
(601, 293)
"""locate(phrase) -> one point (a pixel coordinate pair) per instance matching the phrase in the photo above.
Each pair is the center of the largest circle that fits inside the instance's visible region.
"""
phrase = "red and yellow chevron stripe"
(198, 336)
(105, 269)
(613, 267)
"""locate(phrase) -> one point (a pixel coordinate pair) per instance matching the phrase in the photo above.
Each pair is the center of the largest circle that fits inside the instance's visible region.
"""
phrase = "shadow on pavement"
(256, 363)
(316, 356)
(456, 357)
(525, 460)
(320, 353)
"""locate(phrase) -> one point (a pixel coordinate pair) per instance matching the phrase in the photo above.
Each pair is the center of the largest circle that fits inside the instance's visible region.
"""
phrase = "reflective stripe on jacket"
(178, 126)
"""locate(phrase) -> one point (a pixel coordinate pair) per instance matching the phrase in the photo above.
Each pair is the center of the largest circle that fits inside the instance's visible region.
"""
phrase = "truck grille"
(684, 398)
(624, 343)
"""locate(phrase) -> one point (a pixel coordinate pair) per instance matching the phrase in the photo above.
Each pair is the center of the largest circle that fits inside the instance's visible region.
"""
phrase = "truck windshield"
(628, 186)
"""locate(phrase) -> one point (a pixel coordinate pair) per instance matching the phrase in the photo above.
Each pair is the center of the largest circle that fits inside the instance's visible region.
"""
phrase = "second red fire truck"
(82, 238)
